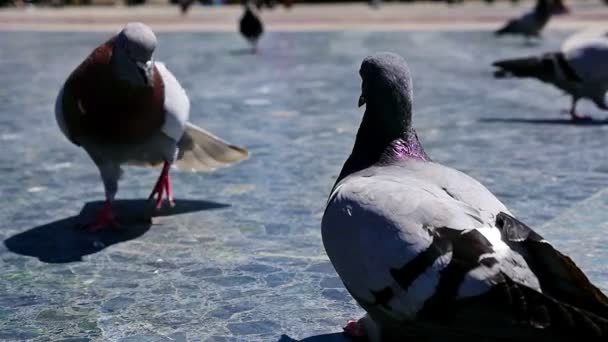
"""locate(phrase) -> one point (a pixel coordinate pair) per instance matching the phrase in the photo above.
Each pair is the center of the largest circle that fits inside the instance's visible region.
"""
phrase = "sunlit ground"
(244, 259)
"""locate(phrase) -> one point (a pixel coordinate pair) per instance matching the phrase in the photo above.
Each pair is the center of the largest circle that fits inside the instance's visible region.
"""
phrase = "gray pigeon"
(122, 107)
(580, 69)
(430, 253)
(531, 23)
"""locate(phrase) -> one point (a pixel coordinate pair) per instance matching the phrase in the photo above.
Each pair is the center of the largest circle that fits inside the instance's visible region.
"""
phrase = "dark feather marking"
(558, 275)
(467, 249)
(541, 68)
(513, 230)
(566, 68)
(449, 193)
(405, 275)
(382, 297)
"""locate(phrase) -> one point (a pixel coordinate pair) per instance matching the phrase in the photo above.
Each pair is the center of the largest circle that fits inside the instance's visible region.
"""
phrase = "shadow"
(242, 52)
(528, 43)
(334, 337)
(63, 241)
(569, 122)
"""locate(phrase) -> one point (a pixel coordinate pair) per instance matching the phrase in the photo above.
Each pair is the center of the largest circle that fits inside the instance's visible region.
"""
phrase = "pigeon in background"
(251, 26)
(530, 24)
(580, 69)
(559, 8)
(123, 107)
(430, 253)
(184, 6)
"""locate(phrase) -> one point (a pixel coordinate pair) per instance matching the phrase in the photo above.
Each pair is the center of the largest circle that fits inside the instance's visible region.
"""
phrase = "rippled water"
(250, 266)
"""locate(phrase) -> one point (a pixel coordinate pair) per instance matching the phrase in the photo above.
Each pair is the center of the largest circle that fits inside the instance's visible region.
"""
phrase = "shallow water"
(246, 262)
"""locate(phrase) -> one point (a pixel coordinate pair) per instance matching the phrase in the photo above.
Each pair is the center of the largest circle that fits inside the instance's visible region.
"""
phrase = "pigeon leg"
(576, 116)
(169, 190)
(355, 330)
(163, 187)
(105, 219)
(110, 173)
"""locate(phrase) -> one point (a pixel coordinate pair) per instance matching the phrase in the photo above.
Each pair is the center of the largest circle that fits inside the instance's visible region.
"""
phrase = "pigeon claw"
(577, 116)
(355, 330)
(162, 189)
(105, 220)
(580, 117)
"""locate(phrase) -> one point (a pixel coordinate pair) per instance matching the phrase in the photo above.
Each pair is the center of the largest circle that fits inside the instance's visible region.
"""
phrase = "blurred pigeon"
(430, 253)
(184, 6)
(559, 8)
(122, 107)
(530, 24)
(251, 26)
(580, 69)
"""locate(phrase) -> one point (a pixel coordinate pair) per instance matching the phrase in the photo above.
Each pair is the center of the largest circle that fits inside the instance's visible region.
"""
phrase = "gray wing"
(392, 232)
(588, 57)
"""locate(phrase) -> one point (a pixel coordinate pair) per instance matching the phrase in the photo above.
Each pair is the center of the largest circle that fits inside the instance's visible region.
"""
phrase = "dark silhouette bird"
(251, 26)
(184, 5)
(559, 7)
(531, 23)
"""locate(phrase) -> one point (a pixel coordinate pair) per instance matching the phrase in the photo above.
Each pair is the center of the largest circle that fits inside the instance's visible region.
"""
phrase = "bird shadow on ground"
(568, 121)
(334, 337)
(241, 52)
(64, 241)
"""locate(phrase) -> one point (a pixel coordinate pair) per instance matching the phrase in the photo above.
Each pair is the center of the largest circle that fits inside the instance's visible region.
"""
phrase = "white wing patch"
(177, 104)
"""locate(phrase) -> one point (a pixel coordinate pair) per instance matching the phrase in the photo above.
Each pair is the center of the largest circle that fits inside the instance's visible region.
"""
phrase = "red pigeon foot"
(163, 187)
(105, 219)
(577, 116)
(581, 117)
(355, 330)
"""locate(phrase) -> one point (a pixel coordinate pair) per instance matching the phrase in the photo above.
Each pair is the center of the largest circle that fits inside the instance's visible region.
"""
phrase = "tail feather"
(509, 27)
(502, 31)
(542, 311)
(200, 150)
(536, 67)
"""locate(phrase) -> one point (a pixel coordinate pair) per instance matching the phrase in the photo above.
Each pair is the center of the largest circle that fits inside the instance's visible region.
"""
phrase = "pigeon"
(430, 253)
(559, 8)
(251, 26)
(580, 69)
(531, 23)
(123, 107)
(184, 6)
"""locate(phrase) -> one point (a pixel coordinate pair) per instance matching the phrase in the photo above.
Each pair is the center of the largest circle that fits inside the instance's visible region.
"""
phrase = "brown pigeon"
(122, 107)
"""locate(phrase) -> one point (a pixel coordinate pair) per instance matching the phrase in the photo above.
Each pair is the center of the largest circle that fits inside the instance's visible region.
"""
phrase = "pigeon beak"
(362, 100)
(146, 70)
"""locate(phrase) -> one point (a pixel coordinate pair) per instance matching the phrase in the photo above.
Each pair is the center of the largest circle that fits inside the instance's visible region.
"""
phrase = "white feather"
(177, 104)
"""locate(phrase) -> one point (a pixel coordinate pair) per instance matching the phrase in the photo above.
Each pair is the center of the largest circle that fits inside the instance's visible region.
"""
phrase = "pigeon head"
(385, 134)
(132, 54)
(386, 90)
